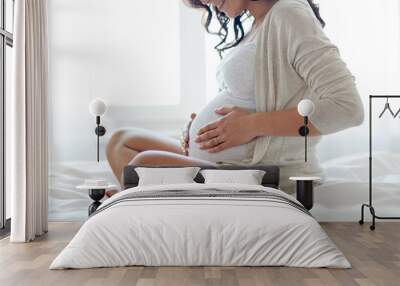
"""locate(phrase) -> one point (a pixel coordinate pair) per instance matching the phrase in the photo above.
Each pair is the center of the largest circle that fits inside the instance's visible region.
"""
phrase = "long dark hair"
(212, 13)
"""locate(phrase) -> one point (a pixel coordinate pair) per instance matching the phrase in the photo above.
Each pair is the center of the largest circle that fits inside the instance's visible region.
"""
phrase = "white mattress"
(193, 231)
(338, 199)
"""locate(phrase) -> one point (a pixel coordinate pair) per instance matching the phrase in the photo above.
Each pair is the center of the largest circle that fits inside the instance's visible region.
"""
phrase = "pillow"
(248, 177)
(163, 176)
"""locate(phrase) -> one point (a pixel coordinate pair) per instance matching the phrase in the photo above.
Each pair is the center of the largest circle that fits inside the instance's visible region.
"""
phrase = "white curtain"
(28, 150)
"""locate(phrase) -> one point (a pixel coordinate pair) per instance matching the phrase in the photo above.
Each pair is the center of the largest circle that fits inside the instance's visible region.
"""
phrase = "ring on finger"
(216, 140)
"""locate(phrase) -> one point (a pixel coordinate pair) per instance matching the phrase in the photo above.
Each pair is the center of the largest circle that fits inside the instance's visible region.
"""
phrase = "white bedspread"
(200, 231)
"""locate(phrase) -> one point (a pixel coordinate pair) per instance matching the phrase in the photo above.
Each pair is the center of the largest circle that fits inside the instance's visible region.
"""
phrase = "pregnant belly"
(207, 115)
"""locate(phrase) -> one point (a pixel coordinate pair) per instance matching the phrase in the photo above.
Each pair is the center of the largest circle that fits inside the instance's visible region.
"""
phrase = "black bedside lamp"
(305, 184)
(97, 108)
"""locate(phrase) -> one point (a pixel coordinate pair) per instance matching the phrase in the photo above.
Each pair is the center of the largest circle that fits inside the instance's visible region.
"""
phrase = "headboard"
(271, 177)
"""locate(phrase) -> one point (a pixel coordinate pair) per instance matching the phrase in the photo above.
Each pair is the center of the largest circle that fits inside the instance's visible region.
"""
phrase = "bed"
(201, 224)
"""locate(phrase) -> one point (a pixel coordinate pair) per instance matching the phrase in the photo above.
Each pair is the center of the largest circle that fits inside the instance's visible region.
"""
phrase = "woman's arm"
(317, 61)
(279, 123)
(239, 126)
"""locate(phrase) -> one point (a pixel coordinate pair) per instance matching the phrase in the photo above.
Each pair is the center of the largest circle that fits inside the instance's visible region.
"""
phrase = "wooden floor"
(375, 257)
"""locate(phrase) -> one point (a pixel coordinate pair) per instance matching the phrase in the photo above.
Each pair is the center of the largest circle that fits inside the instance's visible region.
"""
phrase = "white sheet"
(341, 196)
(224, 232)
(66, 203)
(338, 199)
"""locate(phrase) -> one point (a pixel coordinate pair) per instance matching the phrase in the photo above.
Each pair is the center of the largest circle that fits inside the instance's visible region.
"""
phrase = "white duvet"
(194, 231)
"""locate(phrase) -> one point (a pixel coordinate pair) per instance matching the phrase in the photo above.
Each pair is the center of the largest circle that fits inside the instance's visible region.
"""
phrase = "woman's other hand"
(236, 127)
(185, 135)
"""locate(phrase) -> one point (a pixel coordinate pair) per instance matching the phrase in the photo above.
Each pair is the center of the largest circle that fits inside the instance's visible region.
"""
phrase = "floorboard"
(375, 257)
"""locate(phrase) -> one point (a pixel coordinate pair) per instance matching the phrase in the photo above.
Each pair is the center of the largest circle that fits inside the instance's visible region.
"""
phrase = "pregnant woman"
(264, 74)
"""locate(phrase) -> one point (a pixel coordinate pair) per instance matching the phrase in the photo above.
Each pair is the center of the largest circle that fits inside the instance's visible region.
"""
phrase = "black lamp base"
(96, 195)
(305, 193)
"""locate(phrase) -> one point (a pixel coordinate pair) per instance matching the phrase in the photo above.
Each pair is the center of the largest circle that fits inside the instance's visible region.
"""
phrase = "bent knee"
(120, 137)
(146, 158)
(155, 158)
(115, 140)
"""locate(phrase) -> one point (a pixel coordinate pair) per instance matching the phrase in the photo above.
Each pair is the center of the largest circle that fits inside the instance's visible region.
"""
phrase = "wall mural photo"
(174, 94)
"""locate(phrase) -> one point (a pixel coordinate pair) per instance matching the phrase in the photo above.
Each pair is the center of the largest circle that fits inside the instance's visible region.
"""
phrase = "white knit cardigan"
(296, 60)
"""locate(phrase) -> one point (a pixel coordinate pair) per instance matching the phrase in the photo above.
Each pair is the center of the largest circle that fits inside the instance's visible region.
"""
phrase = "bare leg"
(163, 158)
(125, 145)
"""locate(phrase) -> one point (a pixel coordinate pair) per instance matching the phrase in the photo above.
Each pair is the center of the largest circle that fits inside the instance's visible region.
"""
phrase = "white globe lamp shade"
(306, 107)
(97, 107)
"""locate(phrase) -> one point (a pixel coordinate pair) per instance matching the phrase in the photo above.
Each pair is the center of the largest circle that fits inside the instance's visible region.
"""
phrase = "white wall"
(144, 58)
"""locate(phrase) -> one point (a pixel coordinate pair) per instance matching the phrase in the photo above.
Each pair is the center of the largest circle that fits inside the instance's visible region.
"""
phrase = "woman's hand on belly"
(236, 127)
(185, 135)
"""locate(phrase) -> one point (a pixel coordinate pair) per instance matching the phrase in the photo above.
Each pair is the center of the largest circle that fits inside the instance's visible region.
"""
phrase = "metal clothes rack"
(370, 205)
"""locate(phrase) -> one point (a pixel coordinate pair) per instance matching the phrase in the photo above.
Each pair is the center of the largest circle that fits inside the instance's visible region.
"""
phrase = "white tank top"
(235, 75)
(236, 83)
